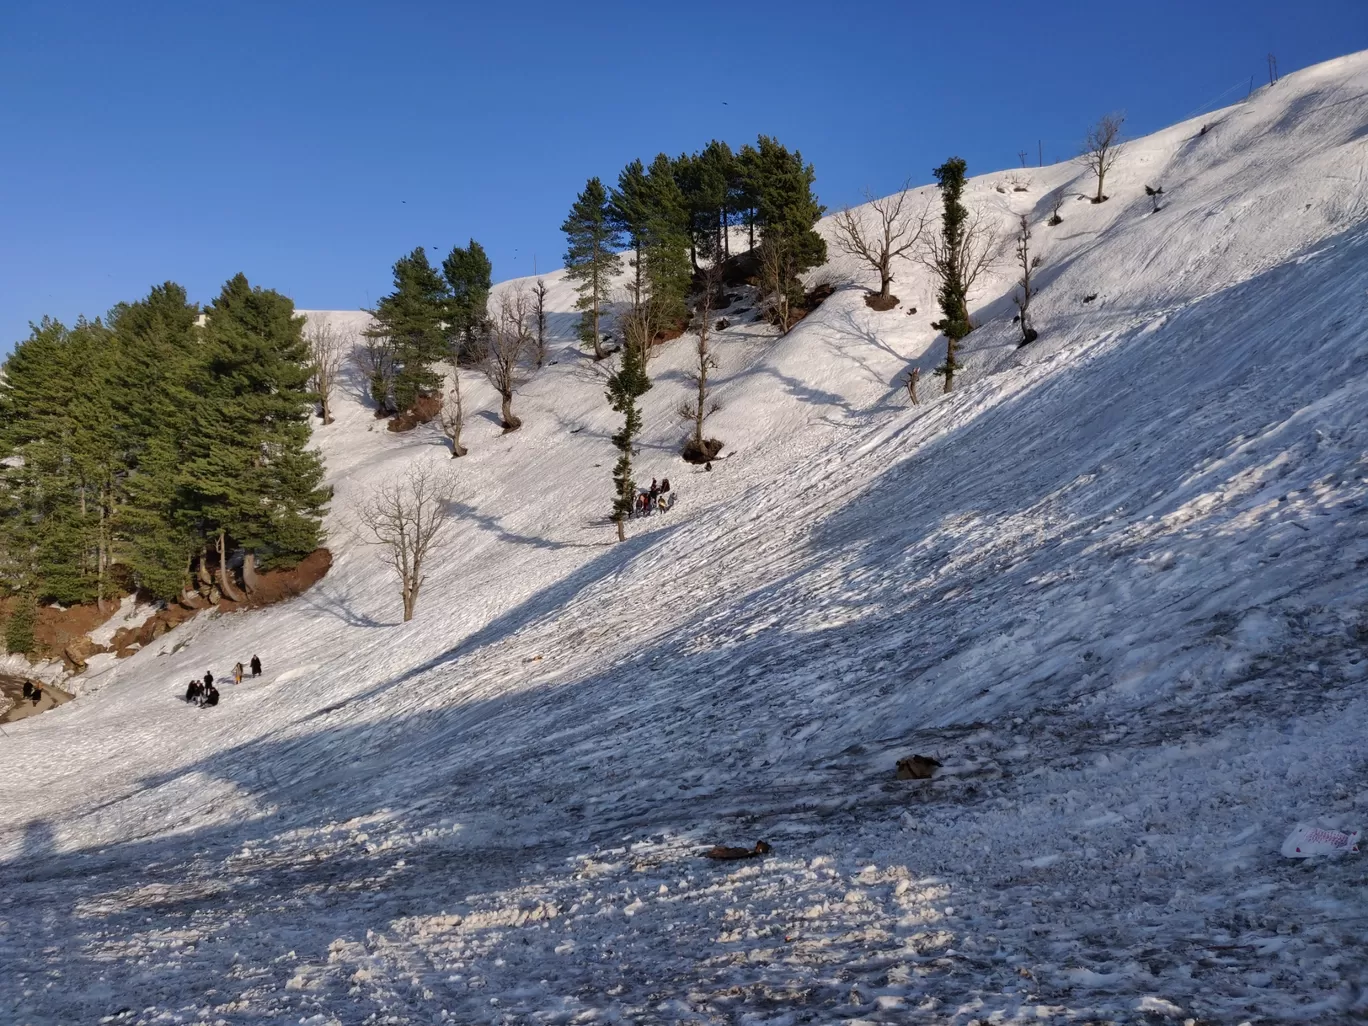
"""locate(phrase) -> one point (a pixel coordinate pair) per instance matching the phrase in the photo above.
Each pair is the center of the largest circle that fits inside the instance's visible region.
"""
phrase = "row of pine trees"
(677, 211)
(144, 449)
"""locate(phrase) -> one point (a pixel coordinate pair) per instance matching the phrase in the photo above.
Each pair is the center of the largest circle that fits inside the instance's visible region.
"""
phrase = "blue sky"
(310, 144)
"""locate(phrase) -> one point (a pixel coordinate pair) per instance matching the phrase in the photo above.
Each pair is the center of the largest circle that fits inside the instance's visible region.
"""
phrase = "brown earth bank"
(64, 633)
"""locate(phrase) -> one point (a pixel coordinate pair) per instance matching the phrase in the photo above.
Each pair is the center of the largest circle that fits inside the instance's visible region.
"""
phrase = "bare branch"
(327, 346)
(1101, 148)
(508, 340)
(403, 517)
(897, 231)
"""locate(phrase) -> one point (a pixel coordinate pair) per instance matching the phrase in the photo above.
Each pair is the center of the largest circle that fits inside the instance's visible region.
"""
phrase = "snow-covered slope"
(1115, 582)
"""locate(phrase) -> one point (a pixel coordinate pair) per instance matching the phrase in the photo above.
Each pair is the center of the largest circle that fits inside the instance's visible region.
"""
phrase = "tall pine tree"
(591, 258)
(624, 389)
(630, 207)
(469, 277)
(665, 244)
(411, 319)
(950, 267)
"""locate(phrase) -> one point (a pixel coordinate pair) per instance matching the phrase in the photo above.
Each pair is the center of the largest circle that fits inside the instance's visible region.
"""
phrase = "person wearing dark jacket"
(208, 679)
(192, 692)
(256, 667)
(211, 695)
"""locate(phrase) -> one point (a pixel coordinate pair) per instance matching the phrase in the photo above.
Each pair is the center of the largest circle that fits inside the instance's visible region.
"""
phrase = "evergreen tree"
(714, 173)
(590, 258)
(248, 471)
(19, 638)
(630, 207)
(155, 344)
(665, 243)
(411, 318)
(786, 209)
(469, 276)
(743, 189)
(961, 253)
(624, 388)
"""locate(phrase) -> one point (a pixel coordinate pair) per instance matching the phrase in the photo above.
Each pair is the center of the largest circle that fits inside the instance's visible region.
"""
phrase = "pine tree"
(624, 388)
(786, 209)
(411, 318)
(590, 258)
(743, 189)
(961, 253)
(665, 243)
(155, 528)
(469, 276)
(629, 208)
(714, 173)
(19, 638)
(248, 470)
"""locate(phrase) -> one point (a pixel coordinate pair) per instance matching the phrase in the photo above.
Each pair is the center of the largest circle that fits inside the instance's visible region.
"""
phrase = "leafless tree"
(508, 340)
(777, 275)
(327, 346)
(1101, 148)
(452, 417)
(539, 316)
(913, 376)
(404, 516)
(637, 323)
(1056, 202)
(1028, 264)
(1154, 195)
(701, 406)
(374, 358)
(896, 231)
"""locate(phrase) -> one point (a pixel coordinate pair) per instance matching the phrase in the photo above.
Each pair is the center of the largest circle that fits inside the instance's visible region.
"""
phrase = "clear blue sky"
(310, 144)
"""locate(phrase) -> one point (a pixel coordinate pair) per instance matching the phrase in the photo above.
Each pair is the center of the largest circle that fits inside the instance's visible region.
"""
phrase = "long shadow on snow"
(719, 715)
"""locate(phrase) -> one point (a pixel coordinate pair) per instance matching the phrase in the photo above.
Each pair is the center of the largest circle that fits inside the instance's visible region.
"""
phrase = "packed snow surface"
(1115, 582)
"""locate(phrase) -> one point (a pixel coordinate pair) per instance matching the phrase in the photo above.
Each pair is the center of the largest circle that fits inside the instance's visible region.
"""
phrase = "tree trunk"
(885, 279)
(202, 573)
(225, 577)
(510, 422)
(693, 254)
(598, 335)
(1100, 197)
(327, 409)
(950, 346)
(250, 580)
(622, 532)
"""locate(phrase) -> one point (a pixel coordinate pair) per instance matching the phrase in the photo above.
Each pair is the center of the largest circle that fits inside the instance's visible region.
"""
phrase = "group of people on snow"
(202, 692)
(657, 498)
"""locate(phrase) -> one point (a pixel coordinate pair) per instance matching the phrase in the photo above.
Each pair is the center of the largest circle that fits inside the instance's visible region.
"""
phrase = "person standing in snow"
(237, 674)
(208, 678)
(256, 666)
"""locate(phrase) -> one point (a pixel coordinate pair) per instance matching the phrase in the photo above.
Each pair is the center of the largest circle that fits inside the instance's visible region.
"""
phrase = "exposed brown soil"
(695, 453)
(881, 303)
(423, 410)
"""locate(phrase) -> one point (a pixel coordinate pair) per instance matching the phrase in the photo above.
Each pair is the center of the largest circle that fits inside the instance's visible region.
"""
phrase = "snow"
(1114, 582)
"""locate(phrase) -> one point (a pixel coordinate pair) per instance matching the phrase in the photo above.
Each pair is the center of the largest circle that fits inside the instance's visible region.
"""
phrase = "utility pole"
(1272, 69)
(1021, 154)
(1040, 154)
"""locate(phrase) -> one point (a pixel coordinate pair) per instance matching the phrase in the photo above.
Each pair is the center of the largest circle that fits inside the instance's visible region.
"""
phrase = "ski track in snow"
(1115, 582)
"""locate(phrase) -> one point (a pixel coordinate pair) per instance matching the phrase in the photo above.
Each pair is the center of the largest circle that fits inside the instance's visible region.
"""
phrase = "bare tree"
(327, 345)
(539, 315)
(777, 274)
(896, 231)
(1154, 195)
(1028, 264)
(404, 516)
(509, 338)
(452, 417)
(1056, 202)
(374, 358)
(1101, 148)
(913, 376)
(697, 409)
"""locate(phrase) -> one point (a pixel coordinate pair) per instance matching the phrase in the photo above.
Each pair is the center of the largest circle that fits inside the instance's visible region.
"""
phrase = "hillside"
(1114, 582)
